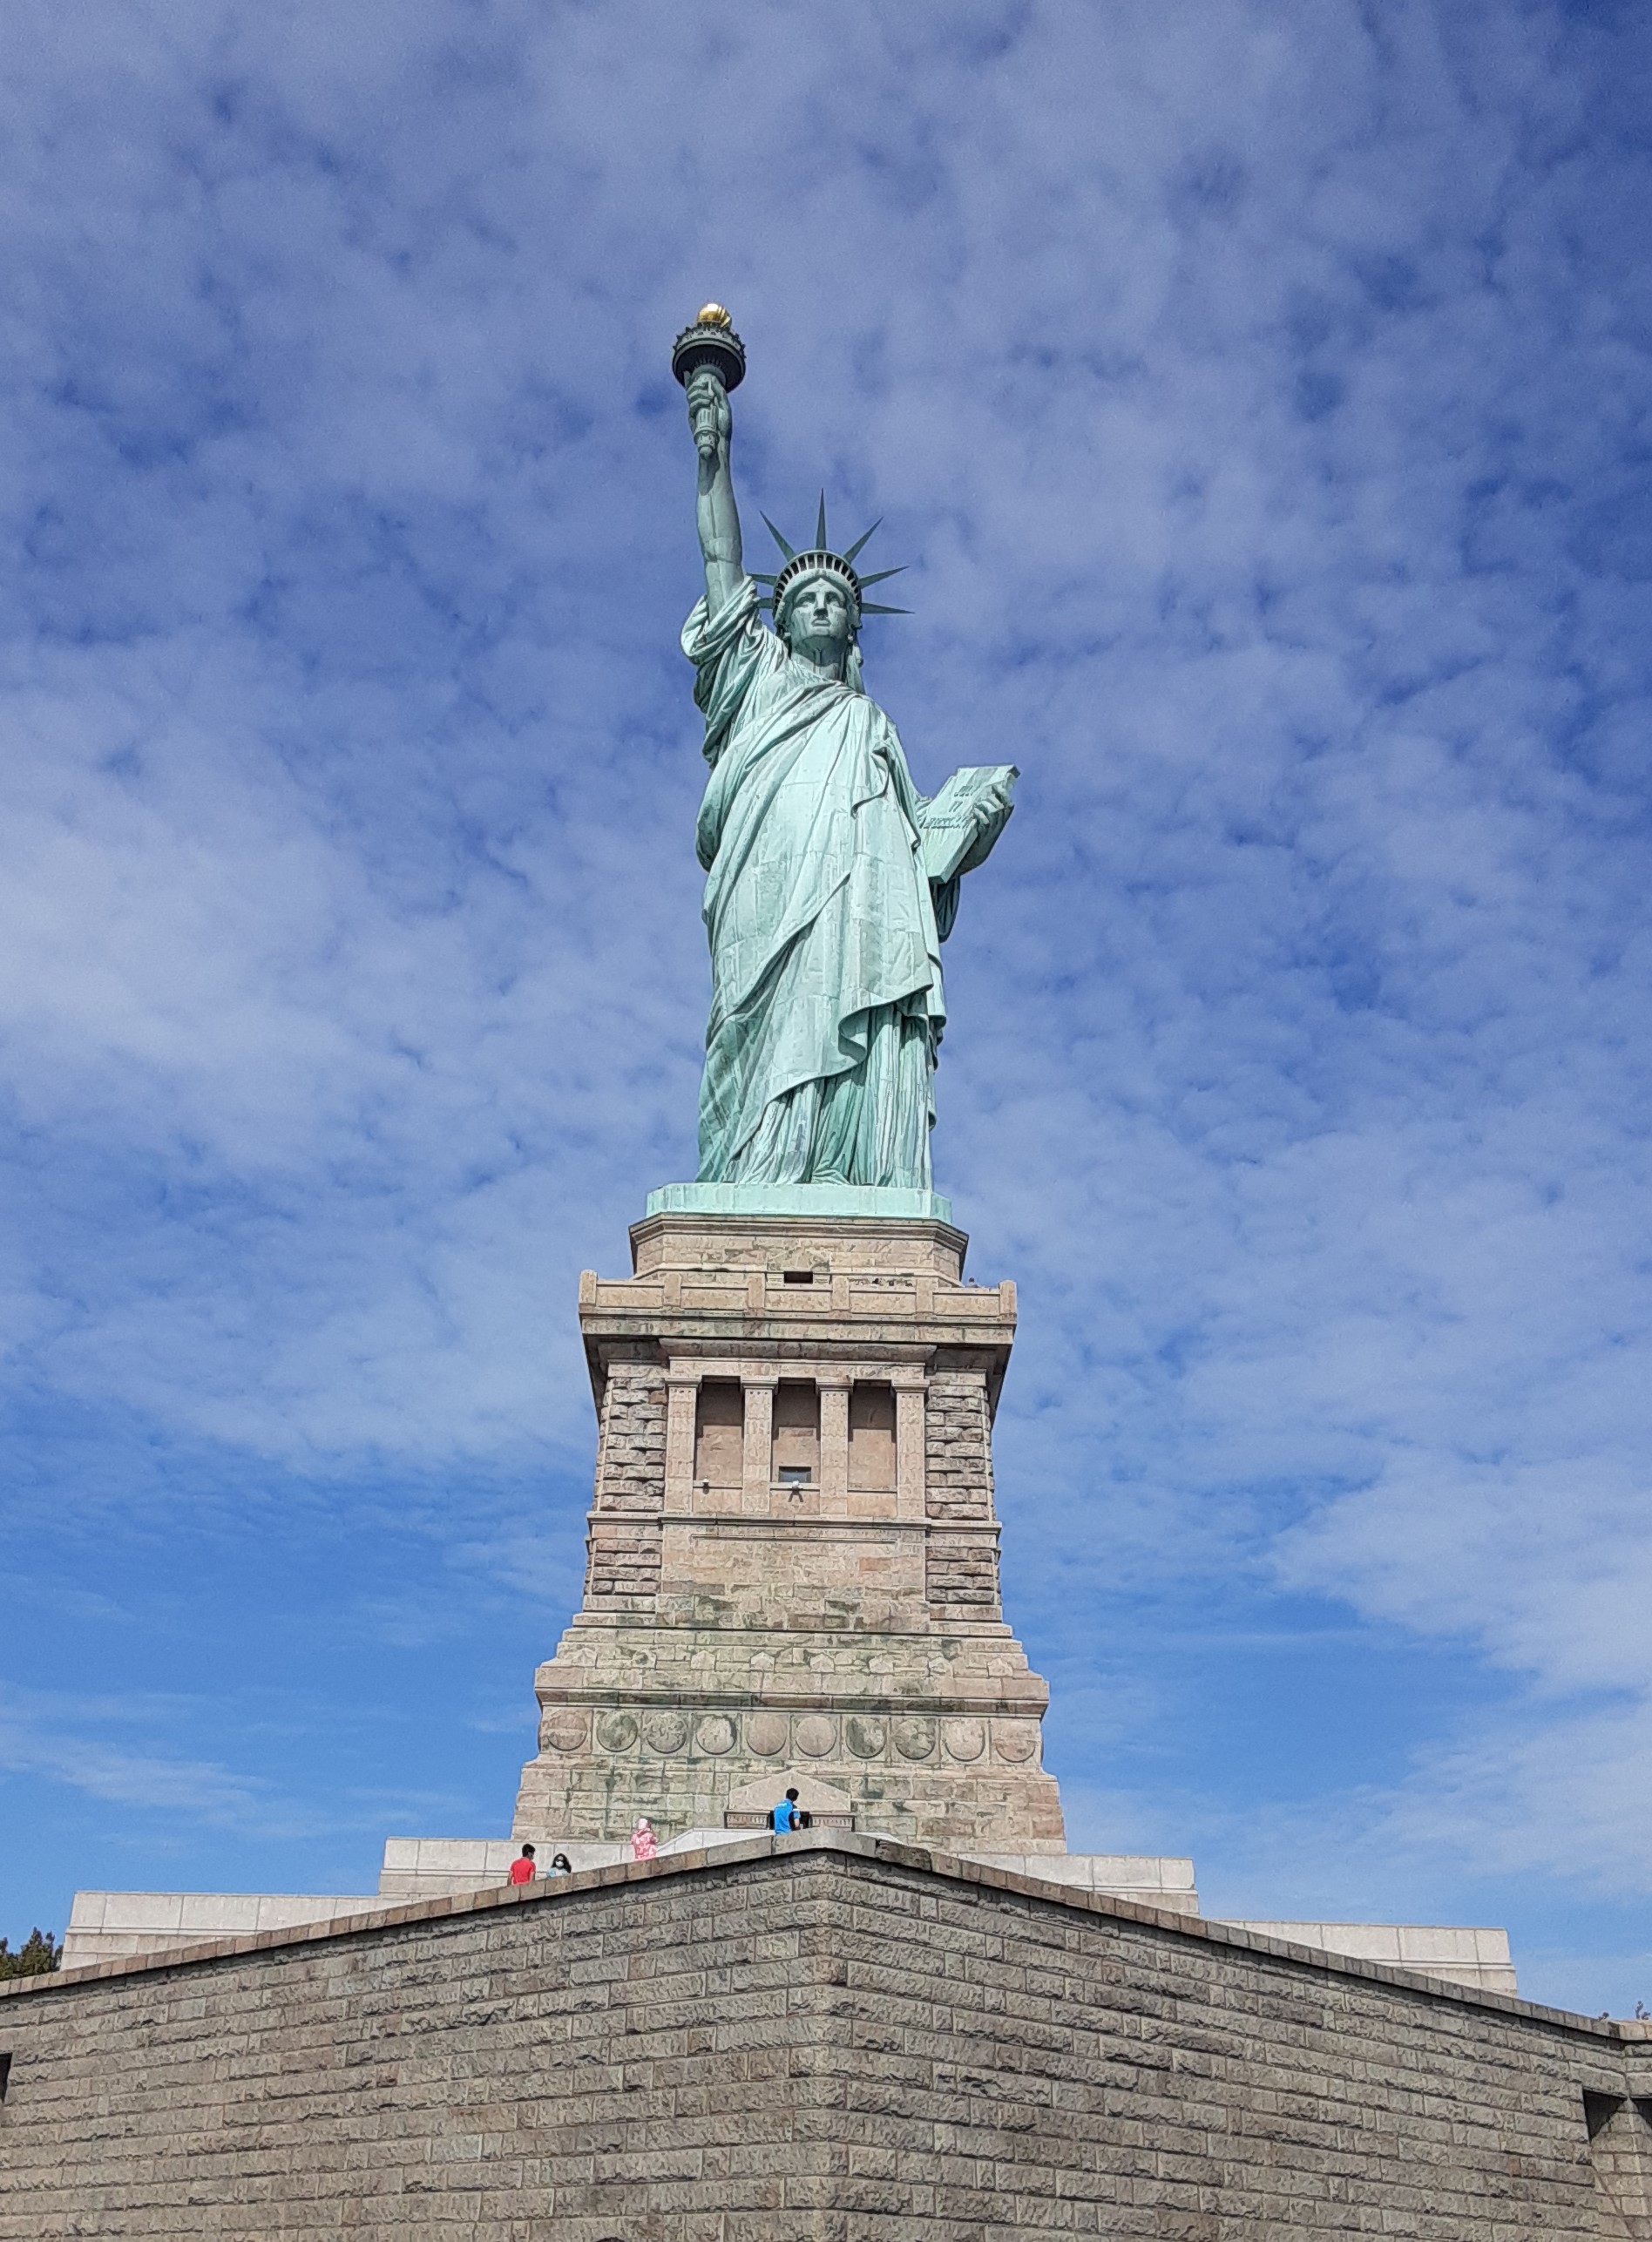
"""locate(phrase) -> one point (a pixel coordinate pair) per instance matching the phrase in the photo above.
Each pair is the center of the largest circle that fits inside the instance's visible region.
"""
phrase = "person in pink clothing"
(644, 1846)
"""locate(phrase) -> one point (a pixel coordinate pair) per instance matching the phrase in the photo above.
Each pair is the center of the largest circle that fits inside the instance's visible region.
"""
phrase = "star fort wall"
(824, 2038)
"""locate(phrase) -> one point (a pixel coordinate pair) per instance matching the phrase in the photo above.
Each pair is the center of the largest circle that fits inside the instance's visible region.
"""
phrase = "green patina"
(831, 882)
(833, 1201)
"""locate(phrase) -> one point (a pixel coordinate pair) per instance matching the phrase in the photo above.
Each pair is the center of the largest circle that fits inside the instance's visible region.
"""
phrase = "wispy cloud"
(105, 1748)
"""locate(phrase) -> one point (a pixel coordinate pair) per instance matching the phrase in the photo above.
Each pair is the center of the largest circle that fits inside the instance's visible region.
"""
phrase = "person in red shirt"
(522, 1868)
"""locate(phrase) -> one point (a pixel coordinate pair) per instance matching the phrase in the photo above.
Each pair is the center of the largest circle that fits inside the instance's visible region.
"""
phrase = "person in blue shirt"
(786, 1816)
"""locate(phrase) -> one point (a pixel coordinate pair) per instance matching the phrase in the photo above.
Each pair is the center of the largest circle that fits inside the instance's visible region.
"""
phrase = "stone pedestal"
(793, 1550)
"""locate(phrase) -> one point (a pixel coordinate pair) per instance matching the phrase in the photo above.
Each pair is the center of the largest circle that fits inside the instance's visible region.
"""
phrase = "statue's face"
(820, 615)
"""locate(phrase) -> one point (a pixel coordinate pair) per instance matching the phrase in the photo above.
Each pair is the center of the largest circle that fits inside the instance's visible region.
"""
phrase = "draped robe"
(825, 932)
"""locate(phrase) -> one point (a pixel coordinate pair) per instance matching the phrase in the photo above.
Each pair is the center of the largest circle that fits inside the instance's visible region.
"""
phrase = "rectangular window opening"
(5, 2075)
(719, 1422)
(797, 1276)
(797, 1424)
(871, 1439)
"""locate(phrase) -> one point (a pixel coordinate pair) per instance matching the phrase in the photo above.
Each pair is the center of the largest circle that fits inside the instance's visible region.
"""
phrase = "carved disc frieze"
(915, 1739)
(866, 1738)
(816, 1735)
(767, 1734)
(965, 1739)
(1015, 1741)
(664, 1732)
(715, 1734)
(564, 1731)
(616, 1732)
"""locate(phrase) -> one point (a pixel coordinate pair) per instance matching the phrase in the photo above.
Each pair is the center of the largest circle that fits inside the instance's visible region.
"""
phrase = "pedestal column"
(758, 1445)
(910, 1389)
(834, 1387)
(682, 1396)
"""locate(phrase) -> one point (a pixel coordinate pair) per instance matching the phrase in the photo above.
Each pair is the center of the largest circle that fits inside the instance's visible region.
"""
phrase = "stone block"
(104, 1925)
(1155, 1881)
(143, 1911)
(1479, 1957)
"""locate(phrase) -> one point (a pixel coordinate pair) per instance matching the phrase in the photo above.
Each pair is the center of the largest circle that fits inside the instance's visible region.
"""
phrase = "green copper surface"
(859, 1201)
(830, 882)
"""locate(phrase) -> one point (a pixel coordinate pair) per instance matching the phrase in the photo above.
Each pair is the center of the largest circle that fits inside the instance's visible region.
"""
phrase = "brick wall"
(825, 2039)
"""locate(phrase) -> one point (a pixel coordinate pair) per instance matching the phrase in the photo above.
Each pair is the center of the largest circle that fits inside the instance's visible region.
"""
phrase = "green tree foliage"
(39, 1954)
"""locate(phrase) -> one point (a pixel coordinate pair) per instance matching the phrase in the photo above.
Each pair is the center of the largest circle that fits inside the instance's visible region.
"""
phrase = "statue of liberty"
(830, 882)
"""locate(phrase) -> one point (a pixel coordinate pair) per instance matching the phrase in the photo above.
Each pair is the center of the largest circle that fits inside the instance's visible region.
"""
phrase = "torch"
(711, 342)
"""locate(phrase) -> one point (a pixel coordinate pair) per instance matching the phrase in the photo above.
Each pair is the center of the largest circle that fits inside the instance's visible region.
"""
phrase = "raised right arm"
(717, 516)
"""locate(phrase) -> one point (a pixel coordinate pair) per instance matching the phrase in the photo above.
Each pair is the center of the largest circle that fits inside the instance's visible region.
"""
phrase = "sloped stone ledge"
(725, 1858)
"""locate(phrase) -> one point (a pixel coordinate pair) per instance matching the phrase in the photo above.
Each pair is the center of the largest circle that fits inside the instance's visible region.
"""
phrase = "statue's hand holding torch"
(709, 360)
(708, 413)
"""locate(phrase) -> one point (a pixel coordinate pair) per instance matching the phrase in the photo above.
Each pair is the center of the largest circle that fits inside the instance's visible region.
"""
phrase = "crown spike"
(865, 537)
(882, 575)
(871, 607)
(779, 540)
(820, 526)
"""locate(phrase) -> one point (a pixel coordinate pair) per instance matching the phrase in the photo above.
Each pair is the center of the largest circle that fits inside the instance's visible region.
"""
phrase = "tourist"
(560, 1865)
(786, 1816)
(644, 1846)
(522, 1868)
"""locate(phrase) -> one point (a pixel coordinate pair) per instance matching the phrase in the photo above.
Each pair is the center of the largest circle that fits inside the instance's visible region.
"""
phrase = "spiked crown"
(820, 559)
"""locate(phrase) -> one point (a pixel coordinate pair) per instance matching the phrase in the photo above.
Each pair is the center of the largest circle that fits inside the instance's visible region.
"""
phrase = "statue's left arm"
(958, 829)
(998, 800)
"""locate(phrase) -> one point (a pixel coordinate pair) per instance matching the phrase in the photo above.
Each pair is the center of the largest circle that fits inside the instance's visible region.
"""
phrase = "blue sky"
(1261, 395)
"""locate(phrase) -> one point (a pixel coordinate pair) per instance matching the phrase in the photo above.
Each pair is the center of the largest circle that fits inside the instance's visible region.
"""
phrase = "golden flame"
(712, 315)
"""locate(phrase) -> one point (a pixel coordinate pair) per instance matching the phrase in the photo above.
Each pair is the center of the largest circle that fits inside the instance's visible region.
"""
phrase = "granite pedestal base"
(792, 1559)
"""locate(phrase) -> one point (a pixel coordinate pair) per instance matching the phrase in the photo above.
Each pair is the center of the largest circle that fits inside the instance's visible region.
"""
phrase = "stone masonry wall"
(824, 2040)
(855, 1629)
(958, 1439)
(963, 1577)
(623, 1549)
(962, 1567)
(1049, 2072)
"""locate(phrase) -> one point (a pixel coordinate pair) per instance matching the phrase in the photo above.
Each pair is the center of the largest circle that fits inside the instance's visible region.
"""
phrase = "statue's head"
(818, 598)
(819, 611)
